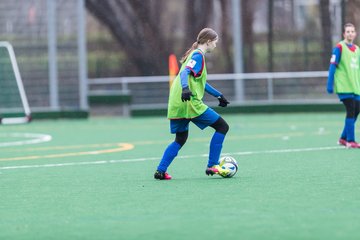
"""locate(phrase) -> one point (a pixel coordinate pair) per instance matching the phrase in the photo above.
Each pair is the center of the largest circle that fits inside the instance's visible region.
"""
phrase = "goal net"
(14, 107)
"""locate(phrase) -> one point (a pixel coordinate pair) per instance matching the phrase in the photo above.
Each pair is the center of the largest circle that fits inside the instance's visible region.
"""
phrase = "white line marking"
(36, 138)
(158, 158)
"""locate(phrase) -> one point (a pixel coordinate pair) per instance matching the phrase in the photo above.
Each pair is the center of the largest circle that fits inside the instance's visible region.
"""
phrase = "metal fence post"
(270, 89)
(83, 85)
(52, 49)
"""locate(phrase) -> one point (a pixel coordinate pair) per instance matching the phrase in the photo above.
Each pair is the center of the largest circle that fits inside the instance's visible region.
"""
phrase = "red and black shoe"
(162, 175)
(352, 145)
(342, 142)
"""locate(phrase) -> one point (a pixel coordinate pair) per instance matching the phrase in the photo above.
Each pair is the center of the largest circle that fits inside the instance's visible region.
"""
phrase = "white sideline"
(158, 158)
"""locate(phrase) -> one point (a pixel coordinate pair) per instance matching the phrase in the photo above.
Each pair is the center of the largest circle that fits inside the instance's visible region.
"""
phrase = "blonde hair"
(205, 35)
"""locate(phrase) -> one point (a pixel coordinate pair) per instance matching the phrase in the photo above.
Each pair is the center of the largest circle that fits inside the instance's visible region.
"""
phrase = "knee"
(181, 138)
(226, 127)
(221, 126)
(351, 114)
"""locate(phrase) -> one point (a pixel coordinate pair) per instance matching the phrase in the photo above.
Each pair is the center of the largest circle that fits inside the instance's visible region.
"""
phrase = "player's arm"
(214, 92)
(334, 61)
(194, 67)
(186, 93)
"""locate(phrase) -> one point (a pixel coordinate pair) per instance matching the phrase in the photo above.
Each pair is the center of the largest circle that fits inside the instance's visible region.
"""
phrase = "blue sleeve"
(212, 91)
(336, 56)
(330, 81)
(194, 66)
(335, 59)
(184, 76)
(198, 59)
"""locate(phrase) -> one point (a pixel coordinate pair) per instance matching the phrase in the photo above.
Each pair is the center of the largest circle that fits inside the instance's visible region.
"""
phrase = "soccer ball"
(230, 164)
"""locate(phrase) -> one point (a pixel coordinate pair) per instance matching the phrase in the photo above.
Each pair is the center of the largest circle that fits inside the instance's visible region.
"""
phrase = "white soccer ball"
(228, 163)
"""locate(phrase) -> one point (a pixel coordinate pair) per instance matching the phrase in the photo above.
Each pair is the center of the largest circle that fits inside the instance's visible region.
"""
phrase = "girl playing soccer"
(186, 105)
(344, 73)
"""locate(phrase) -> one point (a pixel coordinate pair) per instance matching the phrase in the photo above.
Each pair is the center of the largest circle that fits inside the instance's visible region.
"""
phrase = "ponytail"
(185, 56)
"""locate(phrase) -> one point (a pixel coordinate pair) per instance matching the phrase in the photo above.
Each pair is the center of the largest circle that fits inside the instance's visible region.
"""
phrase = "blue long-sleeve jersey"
(195, 67)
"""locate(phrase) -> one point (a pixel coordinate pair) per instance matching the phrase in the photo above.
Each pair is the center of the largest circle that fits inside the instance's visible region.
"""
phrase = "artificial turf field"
(94, 180)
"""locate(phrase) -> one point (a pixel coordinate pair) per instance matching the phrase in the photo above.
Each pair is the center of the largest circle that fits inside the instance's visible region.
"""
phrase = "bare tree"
(353, 12)
(326, 30)
(248, 34)
(197, 16)
(225, 37)
(137, 26)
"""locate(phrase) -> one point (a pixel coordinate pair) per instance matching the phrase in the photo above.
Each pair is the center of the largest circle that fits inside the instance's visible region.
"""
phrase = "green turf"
(294, 182)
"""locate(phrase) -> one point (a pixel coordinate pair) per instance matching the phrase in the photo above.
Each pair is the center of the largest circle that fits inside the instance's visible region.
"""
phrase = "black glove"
(186, 94)
(222, 101)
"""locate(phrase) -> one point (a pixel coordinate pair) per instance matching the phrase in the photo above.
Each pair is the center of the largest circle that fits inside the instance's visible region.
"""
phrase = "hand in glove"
(222, 101)
(186, 94)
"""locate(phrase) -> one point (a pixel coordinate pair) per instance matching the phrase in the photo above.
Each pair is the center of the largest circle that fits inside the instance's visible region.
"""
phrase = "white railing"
(240, 88)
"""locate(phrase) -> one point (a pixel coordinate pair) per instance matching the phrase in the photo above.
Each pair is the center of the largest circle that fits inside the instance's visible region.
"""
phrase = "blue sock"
(343, 134)
(350, 129)
(215, 148)
(170, 153)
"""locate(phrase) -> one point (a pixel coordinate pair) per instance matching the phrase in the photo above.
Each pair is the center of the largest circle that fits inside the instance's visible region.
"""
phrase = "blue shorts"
(202, 121)
(343, 96)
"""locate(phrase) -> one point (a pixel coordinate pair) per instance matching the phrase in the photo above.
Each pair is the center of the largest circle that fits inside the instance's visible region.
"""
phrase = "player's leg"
(356, 114)
(349, 126)
(213, 119)
(357, 108)
(221, 128)
(172, 150)
(180, 128)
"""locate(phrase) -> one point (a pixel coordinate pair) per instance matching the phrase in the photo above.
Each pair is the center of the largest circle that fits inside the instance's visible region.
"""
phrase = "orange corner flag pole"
(173, 68)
